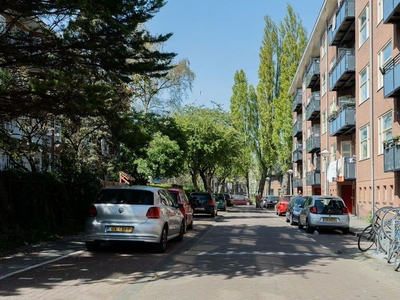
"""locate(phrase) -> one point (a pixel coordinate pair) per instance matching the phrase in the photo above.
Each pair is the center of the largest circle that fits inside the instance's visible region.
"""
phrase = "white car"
(133, 213)
(324, 212)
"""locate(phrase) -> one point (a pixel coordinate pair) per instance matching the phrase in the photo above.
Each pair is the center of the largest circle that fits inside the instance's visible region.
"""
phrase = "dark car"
(293, 209)
(324, 212)
(180, 197)
(220, 201)
(229, 200)
(270, 201)
(203, 202)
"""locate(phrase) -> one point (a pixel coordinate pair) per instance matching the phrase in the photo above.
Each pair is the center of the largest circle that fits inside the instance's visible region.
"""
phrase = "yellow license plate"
(127, 229)
(330, 219)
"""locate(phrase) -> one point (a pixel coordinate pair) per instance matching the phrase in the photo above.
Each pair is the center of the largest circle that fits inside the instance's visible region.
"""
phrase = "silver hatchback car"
(328, 212)
(133, 213)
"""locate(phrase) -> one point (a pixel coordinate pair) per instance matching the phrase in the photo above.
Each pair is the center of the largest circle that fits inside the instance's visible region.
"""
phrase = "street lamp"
(267, 180)
(290, 172)
(325, 153)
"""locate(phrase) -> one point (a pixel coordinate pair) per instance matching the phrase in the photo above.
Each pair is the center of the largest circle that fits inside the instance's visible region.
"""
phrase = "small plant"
(395, 138)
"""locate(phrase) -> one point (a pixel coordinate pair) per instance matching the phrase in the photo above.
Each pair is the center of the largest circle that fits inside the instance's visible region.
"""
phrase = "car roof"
(133, 187)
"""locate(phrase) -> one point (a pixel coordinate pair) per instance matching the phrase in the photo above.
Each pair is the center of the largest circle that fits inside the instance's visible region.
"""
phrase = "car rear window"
(329, 206)
(298, 200)
(219, 197)
(125, 197)
(201, 196)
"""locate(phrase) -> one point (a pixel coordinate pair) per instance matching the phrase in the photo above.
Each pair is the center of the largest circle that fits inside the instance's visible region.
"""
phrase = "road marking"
(38, 265)
(267, 253)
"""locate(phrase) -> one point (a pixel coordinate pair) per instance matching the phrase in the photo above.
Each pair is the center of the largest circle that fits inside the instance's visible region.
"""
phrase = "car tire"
(190, 226)
(287, 219)
(213, 214)
(247, 203)
(309, 228)
(299, 225)
(225, 208)
(346, 231)
(181, 232)
(92, 246)
(161, 246)
(291, 220)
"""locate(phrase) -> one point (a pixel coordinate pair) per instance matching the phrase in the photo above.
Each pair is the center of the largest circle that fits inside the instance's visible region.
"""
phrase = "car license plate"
(330, 219)
(199, 208)
(126, 229)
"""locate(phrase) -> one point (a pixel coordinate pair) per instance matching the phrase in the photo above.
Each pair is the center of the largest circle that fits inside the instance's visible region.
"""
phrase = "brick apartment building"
(346, 106)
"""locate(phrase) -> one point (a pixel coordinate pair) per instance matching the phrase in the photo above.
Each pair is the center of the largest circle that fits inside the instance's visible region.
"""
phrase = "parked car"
(324, 212)
(241, 200)
(281, 206)
(133, 213)
(270, 201)
(203, 202)
(179, 196)
(229, 200)
(221, 202)
(293, 209)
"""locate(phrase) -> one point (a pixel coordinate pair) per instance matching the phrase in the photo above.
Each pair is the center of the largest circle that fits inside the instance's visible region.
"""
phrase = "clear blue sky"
(219, 37)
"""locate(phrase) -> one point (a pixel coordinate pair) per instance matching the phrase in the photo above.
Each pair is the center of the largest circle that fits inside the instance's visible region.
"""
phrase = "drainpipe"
(371, 110)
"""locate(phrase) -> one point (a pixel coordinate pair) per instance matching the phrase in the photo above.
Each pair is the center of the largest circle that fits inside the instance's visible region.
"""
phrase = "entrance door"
(347, 195)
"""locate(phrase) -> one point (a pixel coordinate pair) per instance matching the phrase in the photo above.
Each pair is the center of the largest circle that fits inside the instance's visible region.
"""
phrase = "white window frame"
(379, 14)
(385, 123)
(323, 44)
(324, 119)
(332, 152)
(363, 25)
(364, 142)
(344, 145)
(363, 79)
(384, 55)
(323, 84)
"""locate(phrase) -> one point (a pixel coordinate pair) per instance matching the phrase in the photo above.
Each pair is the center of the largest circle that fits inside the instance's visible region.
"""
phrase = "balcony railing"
(313, 143)
(313, 177)
(349, 168)
(296, 129)
(391, 156)
(343, 122)
(311, 78)
(297, 182)
(341, 75)
(297, 155)
(342, 30)
(313, 107)
(296, 102)
(391, 11)
(391, 77)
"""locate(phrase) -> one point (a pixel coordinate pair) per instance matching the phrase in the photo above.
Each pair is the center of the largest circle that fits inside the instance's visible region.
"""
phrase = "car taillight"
(92, 211)
(313, 210)
(182, 209)
(153, 212)
(211, 202)
(345, 210)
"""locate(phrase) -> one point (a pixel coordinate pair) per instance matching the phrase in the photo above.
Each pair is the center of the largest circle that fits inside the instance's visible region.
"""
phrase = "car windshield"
(238, 196)
(298, 200)
(273, 198)
(125, 197)
(174, 196)
(219, 197)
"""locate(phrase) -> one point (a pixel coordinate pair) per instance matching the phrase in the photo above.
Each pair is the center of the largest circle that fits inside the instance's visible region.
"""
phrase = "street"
(241, 254)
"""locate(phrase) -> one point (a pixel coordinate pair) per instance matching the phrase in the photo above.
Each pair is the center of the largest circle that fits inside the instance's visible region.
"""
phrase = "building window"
(383, 57)
(323, 83)
(324, 123)
(346, 149)
(384, 130)
(363, 25)
(379, 15)
(323, 44)
(364, 142)
(332, 152)
(364, 84)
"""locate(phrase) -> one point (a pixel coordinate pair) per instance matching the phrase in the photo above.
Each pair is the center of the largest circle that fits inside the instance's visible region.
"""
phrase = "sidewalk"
(357, 225)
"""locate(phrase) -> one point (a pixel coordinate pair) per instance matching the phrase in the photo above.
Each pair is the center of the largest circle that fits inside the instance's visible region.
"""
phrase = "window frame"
(364, 142)
(363, 25)
(384, 133)
(382, 61)
(363, 85)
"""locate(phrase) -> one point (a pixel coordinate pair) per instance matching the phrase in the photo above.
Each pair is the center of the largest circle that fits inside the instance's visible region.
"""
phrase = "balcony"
(313, 143)
(313, 107)
(391, 78)
(343, 27)
(391, 156)
(297, 128)
(343, 122)
(313, 177)
(311, 78)
(341, 75)
(391, 11)
(349, 168)
(297, 155)
(296, 102)
(297, 182)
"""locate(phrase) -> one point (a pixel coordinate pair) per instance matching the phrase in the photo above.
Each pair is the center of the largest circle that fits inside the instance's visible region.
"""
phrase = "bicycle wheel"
(382, 241)
(396, 263)
(377, 217)
(391, 222)
(366, 239)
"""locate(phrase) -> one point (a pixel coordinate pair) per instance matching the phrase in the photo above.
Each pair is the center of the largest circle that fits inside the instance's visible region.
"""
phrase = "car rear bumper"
(322, 221)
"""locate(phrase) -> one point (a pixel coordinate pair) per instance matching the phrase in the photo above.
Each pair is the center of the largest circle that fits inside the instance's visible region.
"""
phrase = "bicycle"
(394, 250)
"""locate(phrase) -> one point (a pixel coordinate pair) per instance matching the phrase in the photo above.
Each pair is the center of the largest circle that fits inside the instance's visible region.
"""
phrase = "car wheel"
(346, 230)
(213, 214)
(162, 244)
(309, 228)
(287, 219)
(225, 208)
(181, 232)
(92, 246)
(291, 220)
(299, 225)
(190, 226)
(247, 203)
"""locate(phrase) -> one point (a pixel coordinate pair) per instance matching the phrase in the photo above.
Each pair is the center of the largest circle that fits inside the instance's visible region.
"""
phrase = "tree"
(160, 93)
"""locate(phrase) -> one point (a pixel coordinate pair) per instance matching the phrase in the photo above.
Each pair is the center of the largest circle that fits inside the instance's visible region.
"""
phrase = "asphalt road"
(244, 253)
